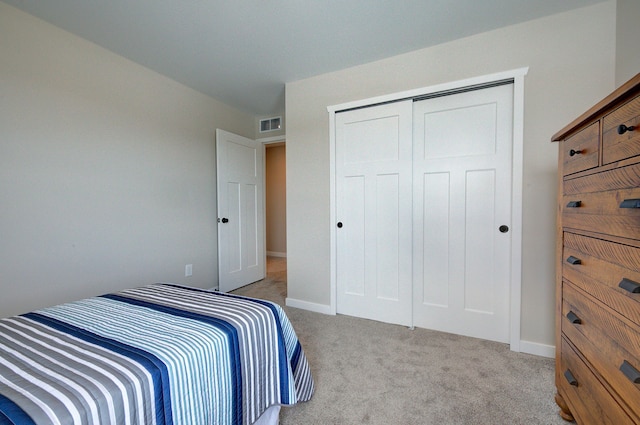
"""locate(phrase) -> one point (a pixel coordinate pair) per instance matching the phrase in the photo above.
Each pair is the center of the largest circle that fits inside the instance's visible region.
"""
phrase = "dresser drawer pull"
(570, 378)
(573, 260)
(573, 152)
(630, 203)
(630, 372)
(574, 204)
(629, 285)
(573, 318)
(623, 128)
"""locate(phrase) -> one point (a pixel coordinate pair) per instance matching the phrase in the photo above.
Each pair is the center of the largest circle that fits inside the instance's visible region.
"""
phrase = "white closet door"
(373, 206)
(462, 195)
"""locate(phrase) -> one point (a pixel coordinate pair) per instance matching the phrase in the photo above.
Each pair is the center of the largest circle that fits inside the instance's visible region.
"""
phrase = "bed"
(159, 354)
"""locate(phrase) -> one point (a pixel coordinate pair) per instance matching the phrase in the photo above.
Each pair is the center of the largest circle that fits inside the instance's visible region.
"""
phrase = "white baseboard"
(306, 305)
(537, 349)
(276, 254)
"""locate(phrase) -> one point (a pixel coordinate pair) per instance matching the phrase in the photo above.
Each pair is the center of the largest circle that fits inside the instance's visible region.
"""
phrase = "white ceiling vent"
(270, 124)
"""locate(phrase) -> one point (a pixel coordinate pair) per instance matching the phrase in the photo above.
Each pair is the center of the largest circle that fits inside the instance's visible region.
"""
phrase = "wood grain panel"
(624, 256)
(603, 265)
(602, 214)
(617, 179)
(615, 225)
(588, 400)
(605, 341)
(585, 144)
(621, 146)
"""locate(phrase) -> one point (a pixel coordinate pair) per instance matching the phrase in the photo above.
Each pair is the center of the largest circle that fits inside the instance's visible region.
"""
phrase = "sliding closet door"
(461, 198)
(373, 207)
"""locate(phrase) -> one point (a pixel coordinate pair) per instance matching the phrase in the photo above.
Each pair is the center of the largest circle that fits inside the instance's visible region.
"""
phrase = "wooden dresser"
(598, 269)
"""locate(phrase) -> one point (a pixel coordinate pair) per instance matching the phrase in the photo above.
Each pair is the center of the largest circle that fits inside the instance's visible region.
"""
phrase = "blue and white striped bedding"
(159, 354)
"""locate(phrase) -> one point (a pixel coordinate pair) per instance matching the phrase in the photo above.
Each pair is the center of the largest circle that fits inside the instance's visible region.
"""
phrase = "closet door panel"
(373, 209)
(461, 258)
(433, 283)
(351, 253)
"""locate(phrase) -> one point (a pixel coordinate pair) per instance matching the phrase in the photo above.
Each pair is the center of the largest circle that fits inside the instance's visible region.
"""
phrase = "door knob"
(503, 229)
(339, 225)
(225, 220)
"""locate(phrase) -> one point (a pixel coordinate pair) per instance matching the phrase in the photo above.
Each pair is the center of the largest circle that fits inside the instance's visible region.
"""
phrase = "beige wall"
(276, 199)
(627, 40)
(107, 170)
(571, 66)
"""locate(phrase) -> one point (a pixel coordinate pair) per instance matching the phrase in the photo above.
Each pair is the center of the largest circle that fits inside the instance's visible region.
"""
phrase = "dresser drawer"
(580, 151)
(607, 202)
(609, 344)
(616, 146)
(617, 179)
(588, 400)
(602, 267)
(613, 212)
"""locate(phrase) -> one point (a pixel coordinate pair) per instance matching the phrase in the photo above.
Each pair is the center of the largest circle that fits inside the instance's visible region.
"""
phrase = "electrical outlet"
(188, 270)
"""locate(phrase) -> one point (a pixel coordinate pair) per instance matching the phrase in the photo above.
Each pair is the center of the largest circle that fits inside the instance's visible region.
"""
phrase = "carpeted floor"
(368, 372)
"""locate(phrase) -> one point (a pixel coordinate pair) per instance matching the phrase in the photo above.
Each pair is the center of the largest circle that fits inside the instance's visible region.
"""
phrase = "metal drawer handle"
(574, 204)
(623, 128)
(573, 318)
(573, 260)
(573, 152)
(630, 286)
(630, 372)
(570, 378)
(630, 203)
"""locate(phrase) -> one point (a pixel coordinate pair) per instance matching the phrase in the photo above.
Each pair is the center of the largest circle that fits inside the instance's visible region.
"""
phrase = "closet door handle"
(573, 318)
(630, 203)
(573, 260)
(574, 204)
(570, 378)
(630, 372)
(629, 285)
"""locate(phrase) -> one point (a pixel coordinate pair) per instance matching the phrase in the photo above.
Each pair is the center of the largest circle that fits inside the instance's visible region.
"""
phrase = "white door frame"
(517, 75)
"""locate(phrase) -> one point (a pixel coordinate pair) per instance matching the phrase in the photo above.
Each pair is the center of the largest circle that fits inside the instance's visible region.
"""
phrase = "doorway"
(275, 210)
(276, 199)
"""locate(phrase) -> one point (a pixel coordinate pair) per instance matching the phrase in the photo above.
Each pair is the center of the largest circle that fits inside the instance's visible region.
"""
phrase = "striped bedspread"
(159, 354)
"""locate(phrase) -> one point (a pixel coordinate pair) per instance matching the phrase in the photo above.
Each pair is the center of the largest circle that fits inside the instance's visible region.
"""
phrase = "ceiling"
(242, 52)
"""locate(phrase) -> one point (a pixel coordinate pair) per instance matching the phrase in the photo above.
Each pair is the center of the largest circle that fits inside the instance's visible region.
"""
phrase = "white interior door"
(241, 250)
(373, 209)
(461, 198)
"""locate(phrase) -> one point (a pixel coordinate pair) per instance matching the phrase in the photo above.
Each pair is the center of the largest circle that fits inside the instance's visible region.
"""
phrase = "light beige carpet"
(368, 372)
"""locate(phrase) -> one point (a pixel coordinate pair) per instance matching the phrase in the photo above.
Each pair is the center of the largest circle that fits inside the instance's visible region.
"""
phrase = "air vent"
(270, 124)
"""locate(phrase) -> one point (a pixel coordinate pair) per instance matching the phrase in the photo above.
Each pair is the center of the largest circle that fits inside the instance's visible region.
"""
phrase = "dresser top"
(620, 95)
